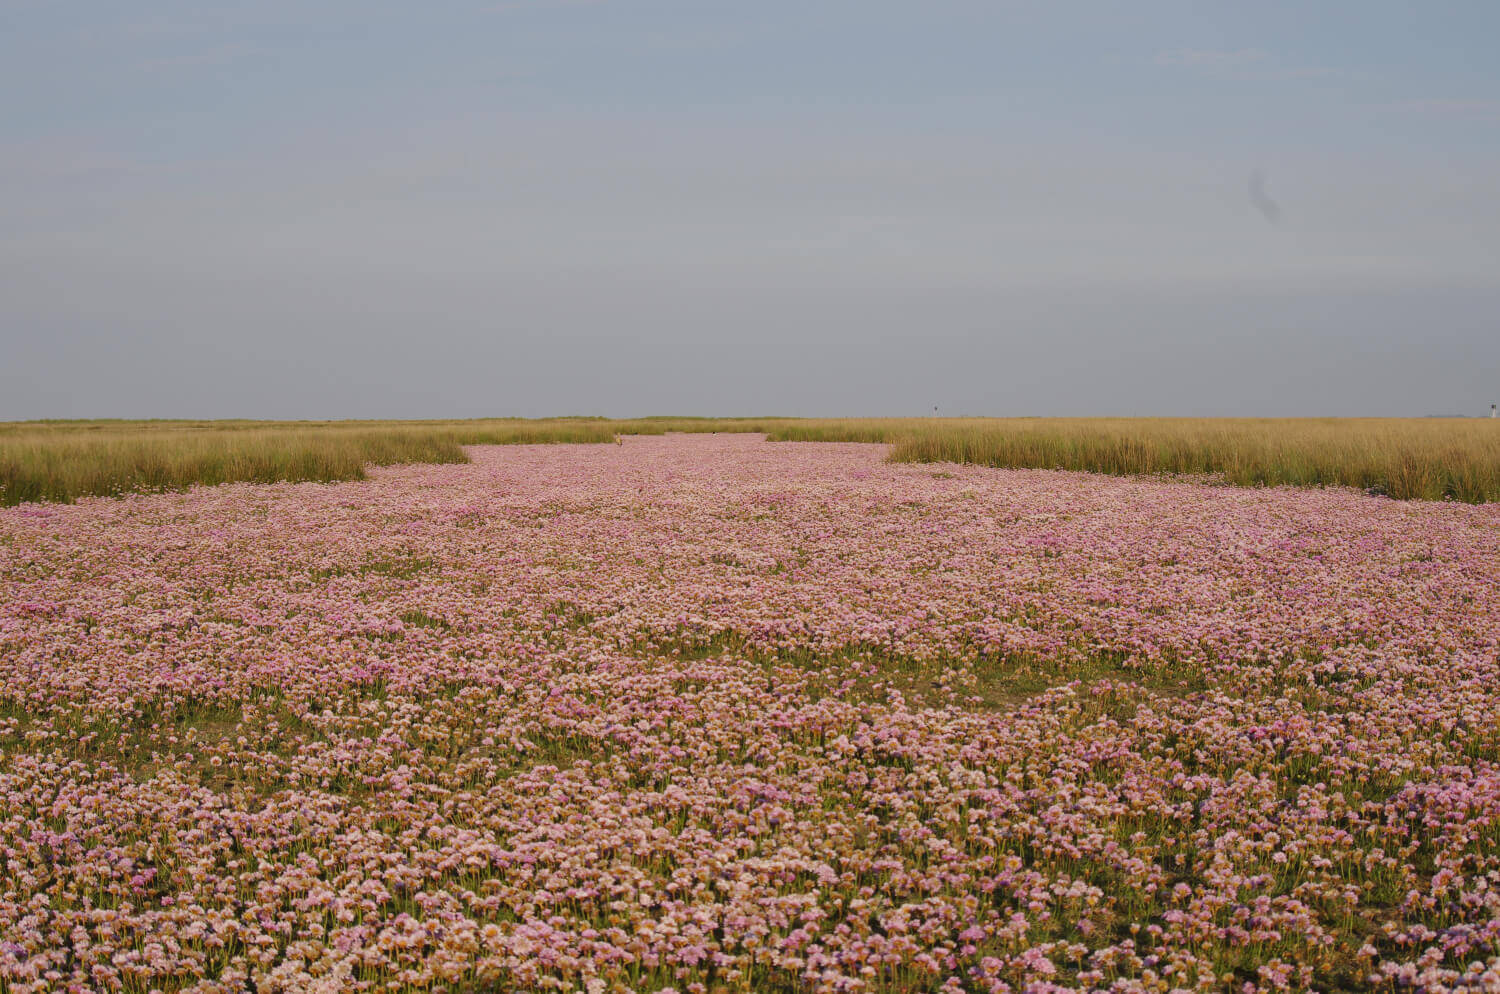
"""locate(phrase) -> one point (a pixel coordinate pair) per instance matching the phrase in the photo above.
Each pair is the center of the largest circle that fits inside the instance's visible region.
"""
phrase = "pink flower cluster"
(707, 713)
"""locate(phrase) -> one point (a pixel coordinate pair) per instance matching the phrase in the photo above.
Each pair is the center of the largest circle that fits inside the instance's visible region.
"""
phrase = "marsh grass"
(1403, 458)
(1410, 459)
(61, 461)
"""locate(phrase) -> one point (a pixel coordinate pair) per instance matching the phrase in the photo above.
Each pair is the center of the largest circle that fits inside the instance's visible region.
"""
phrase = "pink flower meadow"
(706, 713)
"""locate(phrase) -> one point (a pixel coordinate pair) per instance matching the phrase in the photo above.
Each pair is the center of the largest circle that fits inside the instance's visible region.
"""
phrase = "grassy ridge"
(1407, 459)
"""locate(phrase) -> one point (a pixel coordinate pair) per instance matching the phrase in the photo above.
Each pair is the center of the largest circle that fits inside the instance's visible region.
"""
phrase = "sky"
(316, 209)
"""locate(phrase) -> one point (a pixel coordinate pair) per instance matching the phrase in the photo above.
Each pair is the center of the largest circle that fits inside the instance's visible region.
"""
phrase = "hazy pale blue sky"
(616, 207)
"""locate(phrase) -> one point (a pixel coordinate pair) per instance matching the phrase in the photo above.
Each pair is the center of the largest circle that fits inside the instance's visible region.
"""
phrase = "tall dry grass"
(1404, 458)
(61, 461)
(1422, 459)
(1408, 459)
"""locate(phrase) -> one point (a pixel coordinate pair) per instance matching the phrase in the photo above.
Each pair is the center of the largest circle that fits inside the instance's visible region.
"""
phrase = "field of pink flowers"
(707, 713)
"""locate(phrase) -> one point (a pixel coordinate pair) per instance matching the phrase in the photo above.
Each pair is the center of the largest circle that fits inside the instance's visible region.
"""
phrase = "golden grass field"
(1414, 459)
